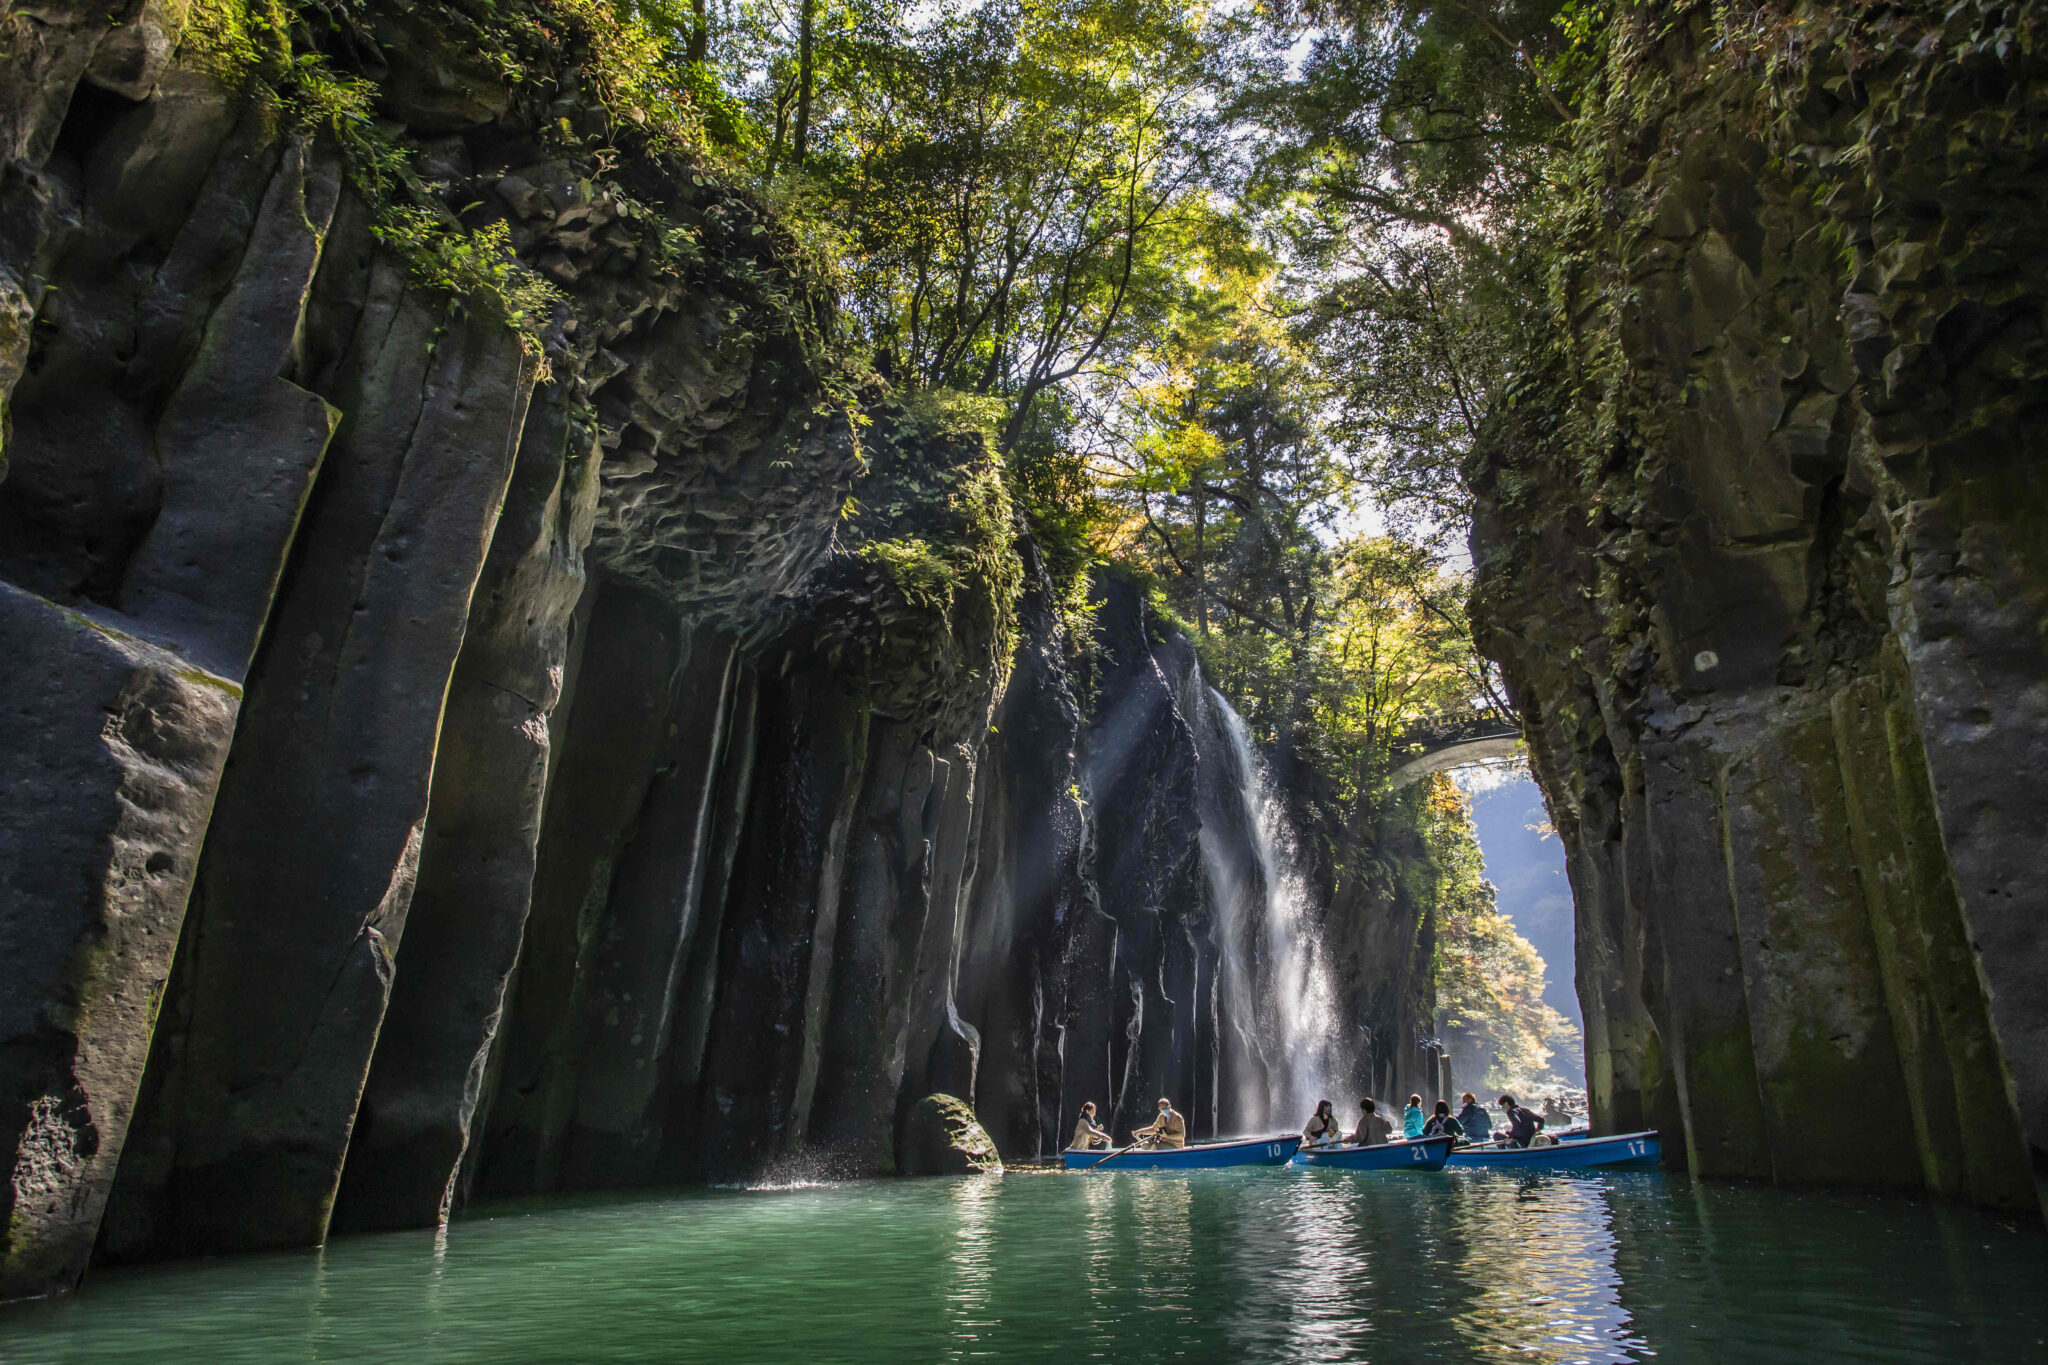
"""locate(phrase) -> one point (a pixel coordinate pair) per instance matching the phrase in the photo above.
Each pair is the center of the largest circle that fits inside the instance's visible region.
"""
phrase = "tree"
(1021, 184)
(1501, 1033)
(1406, 166)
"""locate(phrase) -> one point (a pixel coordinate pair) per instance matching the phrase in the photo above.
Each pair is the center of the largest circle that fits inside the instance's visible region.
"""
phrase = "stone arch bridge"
(1434, 743)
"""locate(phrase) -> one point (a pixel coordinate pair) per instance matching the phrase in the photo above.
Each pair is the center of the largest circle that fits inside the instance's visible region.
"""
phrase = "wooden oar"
(1114, 1155)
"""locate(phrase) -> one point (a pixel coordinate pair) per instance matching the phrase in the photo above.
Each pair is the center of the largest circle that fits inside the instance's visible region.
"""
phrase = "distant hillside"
(1527, 870)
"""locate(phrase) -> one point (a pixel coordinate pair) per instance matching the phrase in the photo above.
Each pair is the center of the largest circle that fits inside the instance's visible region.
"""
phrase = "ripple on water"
(1285, 1265)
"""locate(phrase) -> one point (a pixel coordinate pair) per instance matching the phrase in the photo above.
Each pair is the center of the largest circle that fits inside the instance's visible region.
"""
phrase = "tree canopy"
(1232, 289)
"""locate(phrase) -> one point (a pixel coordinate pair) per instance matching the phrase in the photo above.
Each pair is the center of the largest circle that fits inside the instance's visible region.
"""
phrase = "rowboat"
(1622, 1149)
(1265, 1151)
(1422, 1154)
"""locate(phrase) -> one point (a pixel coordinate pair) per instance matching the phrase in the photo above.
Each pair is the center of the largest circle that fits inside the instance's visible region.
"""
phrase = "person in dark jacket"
(1372, 1131)
(1477, 1123)
(1522, 1125)
(1441, 1124)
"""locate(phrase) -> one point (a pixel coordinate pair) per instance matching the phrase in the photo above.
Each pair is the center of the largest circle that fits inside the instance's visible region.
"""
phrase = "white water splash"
(1277, 986)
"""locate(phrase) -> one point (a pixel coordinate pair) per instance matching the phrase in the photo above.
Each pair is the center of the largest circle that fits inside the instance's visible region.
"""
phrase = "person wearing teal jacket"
(1412, 1118)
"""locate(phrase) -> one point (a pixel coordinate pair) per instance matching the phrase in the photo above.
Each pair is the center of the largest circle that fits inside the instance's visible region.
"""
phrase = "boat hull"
(1622, 1149)
(1420, 1154)
(1269, 1151)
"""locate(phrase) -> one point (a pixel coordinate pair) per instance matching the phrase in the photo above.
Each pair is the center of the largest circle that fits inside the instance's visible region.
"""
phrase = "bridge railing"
(1449, 724)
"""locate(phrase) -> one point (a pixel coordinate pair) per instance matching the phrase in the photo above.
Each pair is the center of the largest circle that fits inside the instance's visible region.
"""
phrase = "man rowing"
(1168, 1130)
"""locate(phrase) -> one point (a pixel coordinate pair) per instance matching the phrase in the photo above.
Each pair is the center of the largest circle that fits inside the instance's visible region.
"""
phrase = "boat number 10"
(1273, 1149)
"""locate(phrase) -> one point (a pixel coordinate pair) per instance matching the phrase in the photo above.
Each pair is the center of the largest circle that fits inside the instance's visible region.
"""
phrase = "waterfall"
(1279, 997)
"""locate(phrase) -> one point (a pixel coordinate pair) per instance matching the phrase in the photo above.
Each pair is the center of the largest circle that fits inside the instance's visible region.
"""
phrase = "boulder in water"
(942, 1137)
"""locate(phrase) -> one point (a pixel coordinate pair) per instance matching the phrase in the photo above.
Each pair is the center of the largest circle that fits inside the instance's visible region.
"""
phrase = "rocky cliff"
(495, 702)
(1759, 551)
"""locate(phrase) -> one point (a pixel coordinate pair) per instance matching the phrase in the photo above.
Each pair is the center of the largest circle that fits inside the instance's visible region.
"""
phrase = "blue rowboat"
(1422, 1154)
(1266, 1151)
(1622, 1149)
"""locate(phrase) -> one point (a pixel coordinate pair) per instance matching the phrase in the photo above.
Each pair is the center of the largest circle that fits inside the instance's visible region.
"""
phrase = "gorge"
(501, 699)
(447, 758)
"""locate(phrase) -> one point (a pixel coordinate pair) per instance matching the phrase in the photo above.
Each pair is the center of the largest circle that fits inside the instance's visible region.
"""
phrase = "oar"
(1114, 1155)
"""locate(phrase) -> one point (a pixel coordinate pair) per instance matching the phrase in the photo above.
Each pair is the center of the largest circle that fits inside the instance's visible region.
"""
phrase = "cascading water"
(1279, 999)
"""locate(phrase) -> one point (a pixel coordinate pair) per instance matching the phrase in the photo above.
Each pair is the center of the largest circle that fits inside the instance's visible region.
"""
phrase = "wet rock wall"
(455, 750)
(1755, 553)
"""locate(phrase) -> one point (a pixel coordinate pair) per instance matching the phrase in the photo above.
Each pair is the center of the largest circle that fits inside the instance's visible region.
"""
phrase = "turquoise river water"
(1263, 1265)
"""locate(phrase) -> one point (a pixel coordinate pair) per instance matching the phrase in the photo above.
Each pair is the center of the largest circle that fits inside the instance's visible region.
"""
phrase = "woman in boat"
(1086, 1134)
(1411, 1118)
(1477, 1123)
(1441, 1124)
(1373, 1131)
(1168, 1130)
(1522, 1125)
(1323, 1127)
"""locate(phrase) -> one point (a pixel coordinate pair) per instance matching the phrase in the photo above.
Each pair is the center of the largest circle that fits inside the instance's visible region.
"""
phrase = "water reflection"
(1542, 1272)
(972, 1268)
(1713, 1272)
(1226, 1266)
(1327, 1246)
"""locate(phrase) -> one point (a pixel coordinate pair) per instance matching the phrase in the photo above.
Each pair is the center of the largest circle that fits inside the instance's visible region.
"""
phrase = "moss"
(198, 677)
(921, 574)
(1720, 1089)
(931, 524)
(1996, 1167)
(233, 40)
(477, 268)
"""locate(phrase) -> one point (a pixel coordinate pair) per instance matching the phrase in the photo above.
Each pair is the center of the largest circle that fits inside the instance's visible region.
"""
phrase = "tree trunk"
(806, 25)
(700, 33)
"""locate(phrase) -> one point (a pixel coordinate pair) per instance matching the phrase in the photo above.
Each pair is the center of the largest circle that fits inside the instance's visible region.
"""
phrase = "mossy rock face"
(942, 1137)
(916, 609)
(1772, 469)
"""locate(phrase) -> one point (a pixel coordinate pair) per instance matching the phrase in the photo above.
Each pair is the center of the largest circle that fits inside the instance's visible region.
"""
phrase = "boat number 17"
(1638, 1149)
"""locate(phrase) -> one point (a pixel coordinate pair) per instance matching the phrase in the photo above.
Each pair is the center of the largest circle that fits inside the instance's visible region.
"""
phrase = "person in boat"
(1323, 1127)
(1523, 1125)
(1086, 1134)
(1555, 1115)
(1168, 1130)
(1477, 1123)
(1412, 1118)
(1441, 1124)
(1372, 1131)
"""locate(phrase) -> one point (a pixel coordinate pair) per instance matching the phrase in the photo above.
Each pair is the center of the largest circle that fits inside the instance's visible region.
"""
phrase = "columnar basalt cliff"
(461, 736)
(1759, 551)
